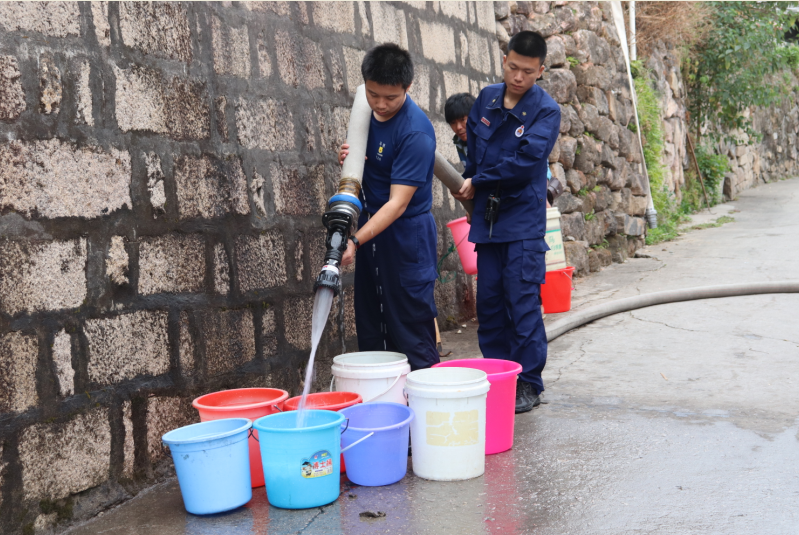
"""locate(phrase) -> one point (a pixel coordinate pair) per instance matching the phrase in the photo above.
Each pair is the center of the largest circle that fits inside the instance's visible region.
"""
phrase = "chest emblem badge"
(520, 131)
(485, 121)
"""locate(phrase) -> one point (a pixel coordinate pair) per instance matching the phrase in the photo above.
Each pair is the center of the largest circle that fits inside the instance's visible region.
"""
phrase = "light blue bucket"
(301, 465)
(213, 464)
(378, 434)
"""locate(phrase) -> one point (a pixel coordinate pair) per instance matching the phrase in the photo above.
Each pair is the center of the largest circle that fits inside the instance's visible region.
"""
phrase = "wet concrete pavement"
(680, 418)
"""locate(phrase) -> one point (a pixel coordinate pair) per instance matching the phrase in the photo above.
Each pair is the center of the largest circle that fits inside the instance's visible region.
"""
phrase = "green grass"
(715, 224)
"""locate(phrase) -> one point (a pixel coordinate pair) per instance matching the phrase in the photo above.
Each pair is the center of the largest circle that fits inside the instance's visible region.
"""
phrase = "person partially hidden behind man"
(456, 112)
(510, 132)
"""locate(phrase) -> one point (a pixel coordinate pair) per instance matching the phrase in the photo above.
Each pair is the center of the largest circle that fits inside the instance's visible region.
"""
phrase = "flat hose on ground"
(670, 296)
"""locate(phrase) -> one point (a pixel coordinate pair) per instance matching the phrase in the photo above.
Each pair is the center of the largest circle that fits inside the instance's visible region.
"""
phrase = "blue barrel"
(301, 465)
(213, 464)
(382, 458)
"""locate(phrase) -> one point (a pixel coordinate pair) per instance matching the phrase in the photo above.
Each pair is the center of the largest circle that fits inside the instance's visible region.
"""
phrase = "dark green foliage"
(713, 168)
(738, 64)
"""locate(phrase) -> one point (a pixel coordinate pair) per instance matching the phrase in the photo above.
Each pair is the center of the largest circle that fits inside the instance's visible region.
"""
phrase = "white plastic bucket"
(375, 375)
(556, 256)
(448, 433)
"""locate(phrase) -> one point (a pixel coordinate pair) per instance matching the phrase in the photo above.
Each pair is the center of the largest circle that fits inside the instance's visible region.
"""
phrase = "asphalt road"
(674, 419)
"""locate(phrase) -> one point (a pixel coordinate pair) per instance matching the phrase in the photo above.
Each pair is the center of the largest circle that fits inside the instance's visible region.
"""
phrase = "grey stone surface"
(298, 190)
(480, 52)
(18, 355)
(62, 358)
(174, 106)
(126, 346)
(209, 187)
(577, 256)
(265, 124)
(221, 270)
(389, 25)
(269, 332)
(116, 263)
(129, 447)
(55, 179)
(352, 61)
(556, 52)
(261, 261)
(336, 16)
(438, 41)
(57, 19)
(102, 28)
(298, 329)
(84, 95)
(231, 49)
(12, 96)
(157, 28)
(186, 347)
(60, 459)
(567, 203)
(300, 61)
(165, 414)
(155, 182)
(573, 225)
(229, 340)
(40, 276)
(171, 263)
(561, 85)
(50, 89)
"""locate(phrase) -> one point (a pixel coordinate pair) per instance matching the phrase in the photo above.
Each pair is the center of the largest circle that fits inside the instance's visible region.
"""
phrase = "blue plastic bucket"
(382, 458)
(213, 464)
(301, 465)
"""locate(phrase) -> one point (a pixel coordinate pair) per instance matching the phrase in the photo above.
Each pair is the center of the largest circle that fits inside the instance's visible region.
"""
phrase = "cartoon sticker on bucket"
(318, 465)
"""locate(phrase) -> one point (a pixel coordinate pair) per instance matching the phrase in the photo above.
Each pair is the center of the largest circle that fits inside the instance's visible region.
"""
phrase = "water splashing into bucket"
(323, 301)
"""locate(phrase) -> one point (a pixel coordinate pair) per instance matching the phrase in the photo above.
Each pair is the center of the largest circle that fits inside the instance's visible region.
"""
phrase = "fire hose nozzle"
(342, 213)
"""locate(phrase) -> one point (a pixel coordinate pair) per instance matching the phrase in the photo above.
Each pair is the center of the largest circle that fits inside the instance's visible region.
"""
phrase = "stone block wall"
(775, 156)
(597, 157)
(163, 170)
(752, 161)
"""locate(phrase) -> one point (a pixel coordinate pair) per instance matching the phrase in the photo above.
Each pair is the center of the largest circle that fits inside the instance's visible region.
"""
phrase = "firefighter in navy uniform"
(510, 132)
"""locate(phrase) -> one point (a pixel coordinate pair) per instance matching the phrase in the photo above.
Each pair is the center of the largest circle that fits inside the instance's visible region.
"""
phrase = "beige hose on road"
(670, 296)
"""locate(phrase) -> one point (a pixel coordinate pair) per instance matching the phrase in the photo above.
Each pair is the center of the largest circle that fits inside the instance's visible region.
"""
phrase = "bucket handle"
(384, 391)
(346, 426)
(332, 379)
(252, 435)
(357, 441)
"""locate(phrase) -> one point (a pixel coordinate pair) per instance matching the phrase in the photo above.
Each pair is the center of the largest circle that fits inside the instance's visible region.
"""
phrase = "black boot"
(526, 398)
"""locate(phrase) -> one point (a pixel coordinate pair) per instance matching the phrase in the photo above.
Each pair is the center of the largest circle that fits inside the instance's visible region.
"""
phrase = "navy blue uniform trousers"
(395, 277)
(509, 305)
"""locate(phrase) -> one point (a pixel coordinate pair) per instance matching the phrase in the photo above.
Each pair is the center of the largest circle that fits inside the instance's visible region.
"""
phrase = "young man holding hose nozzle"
(395, 244)
(511, 130)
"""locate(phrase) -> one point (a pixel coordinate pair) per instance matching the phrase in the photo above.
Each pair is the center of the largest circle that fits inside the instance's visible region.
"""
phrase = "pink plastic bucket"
(501, 401)
(460, 233)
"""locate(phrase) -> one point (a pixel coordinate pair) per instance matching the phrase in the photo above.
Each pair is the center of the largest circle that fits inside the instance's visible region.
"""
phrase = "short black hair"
(529, 44)
(457, 106)
(388, 64)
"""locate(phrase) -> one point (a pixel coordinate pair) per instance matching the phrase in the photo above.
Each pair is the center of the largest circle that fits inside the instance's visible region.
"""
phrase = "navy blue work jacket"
(511, 148)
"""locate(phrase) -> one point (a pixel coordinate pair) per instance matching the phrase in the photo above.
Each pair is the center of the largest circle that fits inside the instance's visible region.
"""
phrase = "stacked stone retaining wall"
(163, 170)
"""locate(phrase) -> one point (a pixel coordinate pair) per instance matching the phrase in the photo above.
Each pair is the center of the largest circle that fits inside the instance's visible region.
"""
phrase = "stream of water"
(323, 301)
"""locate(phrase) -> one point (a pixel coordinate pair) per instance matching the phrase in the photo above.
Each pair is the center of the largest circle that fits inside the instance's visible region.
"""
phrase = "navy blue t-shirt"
(401, 150)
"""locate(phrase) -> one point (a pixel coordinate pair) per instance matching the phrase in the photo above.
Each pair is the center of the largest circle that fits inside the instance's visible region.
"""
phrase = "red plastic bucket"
(328, 401)
(460, 233)
(501, 400)
(251, 403)
(556, 294)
